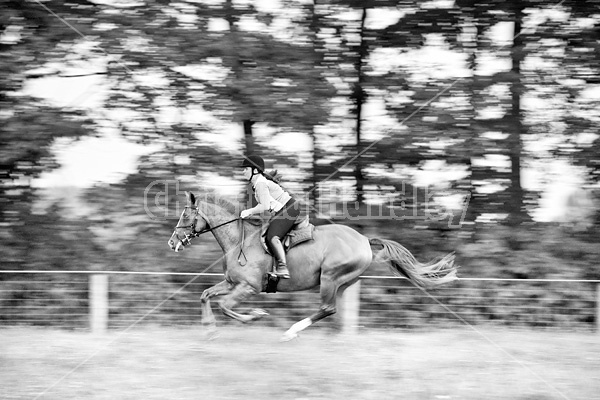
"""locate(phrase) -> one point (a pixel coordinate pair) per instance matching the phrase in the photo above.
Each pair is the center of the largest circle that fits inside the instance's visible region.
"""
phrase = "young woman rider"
(273, 198)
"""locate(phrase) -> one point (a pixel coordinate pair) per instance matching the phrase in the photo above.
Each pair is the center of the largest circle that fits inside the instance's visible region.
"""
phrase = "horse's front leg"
(220, 289)
(240, 292)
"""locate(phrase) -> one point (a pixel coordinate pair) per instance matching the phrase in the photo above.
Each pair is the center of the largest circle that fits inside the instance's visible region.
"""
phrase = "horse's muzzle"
(180, 245)
(176, 246)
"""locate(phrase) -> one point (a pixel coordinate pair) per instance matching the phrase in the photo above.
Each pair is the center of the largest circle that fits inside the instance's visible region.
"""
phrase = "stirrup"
(282, 271)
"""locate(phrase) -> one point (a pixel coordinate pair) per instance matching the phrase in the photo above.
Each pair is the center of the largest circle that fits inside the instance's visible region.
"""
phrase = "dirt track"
(250, 363)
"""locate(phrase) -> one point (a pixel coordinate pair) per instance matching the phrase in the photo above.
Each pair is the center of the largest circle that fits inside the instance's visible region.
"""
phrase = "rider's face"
(247, 173)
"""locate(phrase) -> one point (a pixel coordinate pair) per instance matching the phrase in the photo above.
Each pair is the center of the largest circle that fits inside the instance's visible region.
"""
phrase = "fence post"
(351, 309)
(598, 308)
(98, 296)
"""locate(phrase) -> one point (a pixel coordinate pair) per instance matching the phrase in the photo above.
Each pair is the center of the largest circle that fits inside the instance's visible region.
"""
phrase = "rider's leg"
(281, 224)
(281, 269)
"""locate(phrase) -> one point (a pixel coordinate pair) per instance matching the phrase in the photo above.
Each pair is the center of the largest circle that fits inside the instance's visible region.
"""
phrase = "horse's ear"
(190, 198)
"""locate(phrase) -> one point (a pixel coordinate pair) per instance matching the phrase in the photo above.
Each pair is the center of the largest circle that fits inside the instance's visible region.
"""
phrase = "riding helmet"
(254, 161)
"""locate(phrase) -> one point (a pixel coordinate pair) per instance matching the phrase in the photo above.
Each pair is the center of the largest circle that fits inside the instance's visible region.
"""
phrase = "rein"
(209, 229)
(195, 233)
(242, 237)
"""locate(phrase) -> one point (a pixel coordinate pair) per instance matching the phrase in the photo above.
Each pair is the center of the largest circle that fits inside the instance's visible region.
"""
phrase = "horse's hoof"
(258, 313)
(288, 336)
(211, 334)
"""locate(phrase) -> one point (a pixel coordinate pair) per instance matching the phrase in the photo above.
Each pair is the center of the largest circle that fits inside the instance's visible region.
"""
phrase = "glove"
(245, 214)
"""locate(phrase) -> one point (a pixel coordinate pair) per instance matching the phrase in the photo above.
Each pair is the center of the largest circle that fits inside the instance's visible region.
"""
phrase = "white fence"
(117, 300)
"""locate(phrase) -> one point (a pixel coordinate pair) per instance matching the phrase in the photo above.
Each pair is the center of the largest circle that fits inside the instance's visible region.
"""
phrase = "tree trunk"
(247, 123)
(472, 47)
(248, 138)
(517, 213)
(314, 189)
(237, 67)
(359, 98)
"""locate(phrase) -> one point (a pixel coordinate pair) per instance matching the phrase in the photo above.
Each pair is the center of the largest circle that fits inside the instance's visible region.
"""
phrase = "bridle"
(192, 227)
(193, 233)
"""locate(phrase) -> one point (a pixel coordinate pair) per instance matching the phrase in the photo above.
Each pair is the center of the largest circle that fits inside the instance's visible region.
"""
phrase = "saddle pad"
(294, 238)
(298, 236)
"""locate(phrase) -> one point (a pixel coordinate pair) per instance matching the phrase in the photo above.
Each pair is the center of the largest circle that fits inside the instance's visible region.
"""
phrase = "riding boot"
(277, 247)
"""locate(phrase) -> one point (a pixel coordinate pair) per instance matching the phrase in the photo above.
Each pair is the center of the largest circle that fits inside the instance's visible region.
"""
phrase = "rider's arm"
(263, 197)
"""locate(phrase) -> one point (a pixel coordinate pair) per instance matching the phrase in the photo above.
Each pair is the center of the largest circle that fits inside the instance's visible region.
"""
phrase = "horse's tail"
(403, 263)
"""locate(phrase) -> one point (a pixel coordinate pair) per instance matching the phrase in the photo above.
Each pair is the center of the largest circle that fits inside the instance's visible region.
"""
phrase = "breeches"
(283, 220)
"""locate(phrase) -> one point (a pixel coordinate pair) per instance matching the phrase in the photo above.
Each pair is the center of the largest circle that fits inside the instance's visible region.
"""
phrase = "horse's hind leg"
(240, 292)
(328, 292)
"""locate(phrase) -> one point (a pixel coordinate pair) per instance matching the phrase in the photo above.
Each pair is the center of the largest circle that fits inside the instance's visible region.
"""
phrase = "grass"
(249, 363)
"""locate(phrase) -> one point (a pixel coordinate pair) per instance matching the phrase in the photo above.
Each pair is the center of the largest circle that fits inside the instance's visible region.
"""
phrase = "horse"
(333, 260)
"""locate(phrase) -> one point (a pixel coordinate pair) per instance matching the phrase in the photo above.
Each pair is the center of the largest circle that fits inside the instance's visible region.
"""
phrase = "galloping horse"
(334, 260)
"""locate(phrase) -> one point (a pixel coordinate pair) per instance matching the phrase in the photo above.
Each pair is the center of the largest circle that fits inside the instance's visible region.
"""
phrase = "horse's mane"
(219, 200)
(232, 206)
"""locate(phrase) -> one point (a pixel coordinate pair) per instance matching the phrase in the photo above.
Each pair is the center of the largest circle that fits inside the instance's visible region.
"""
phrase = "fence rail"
(99, 300)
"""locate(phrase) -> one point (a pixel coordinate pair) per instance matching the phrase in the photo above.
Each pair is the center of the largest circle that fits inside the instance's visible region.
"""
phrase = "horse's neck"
(228, 236)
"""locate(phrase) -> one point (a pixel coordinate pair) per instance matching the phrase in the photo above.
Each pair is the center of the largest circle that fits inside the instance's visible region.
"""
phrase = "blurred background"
(473, 123)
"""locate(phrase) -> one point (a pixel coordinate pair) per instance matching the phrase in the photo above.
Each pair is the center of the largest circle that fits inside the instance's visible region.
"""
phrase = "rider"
(273, 198)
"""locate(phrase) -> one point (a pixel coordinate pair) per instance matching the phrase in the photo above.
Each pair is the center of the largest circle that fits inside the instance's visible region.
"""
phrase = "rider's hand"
(245, 214)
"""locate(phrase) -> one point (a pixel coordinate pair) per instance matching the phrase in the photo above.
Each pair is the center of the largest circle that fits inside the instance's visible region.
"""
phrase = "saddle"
(302, 231)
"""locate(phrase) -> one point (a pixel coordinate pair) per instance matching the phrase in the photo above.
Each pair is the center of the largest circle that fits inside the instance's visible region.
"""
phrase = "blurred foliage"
(312, 69)
(30, 38)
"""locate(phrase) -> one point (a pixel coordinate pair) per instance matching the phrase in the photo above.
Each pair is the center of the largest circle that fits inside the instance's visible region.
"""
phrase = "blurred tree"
(509, 198)
(172, 66)
(345, 46)
(30, 38)
(428, 105)
(359, 96)
(516, 209)
(234, 70)
(475, 19)
(319, 49)
(569, 47)
(497, 121)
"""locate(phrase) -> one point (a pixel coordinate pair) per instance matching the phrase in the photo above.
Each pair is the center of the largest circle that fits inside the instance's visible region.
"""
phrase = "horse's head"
(190, 224)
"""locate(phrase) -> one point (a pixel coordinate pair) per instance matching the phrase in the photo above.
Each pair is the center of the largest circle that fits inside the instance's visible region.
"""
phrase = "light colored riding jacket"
(269, 195)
